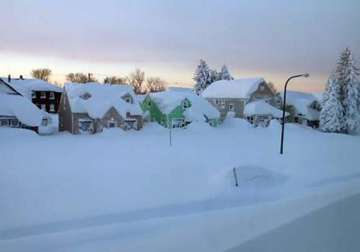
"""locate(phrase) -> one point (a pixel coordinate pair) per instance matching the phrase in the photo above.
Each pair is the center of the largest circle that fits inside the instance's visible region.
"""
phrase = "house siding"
(238, 104)
(65, 115)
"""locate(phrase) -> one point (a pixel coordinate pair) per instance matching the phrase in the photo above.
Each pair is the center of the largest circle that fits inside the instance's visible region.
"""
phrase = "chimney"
(21, 77)
(9, 78)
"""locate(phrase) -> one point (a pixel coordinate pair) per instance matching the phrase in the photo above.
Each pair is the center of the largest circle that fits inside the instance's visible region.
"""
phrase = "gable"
(112, 113)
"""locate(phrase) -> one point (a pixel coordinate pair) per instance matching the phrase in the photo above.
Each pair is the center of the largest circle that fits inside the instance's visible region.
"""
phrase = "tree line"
(137, 79)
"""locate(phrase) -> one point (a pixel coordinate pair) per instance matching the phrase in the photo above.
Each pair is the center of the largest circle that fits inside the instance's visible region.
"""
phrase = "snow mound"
(257, 177)
(262, 108)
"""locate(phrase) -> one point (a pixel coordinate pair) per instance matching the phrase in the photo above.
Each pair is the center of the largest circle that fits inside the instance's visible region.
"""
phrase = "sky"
(167, 38)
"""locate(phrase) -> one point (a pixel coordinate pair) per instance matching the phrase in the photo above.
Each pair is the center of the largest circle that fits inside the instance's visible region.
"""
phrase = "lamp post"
(306, 75)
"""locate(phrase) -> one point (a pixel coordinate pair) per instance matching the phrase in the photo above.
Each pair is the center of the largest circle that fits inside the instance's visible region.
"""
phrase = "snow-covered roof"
(26, 86)
(240, 88)
(199, 108)
(180, 89)
(262, 108)
(168, 100)
(5, 89)
(101, 98)
(21, 108)
(301, 102)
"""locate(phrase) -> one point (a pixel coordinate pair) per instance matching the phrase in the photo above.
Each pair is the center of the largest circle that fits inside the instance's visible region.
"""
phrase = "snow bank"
(96, 99)
(16, 105)
(241, 88)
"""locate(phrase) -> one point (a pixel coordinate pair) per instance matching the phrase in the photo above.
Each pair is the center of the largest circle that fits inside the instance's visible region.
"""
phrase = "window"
(85, 96)
(33, 94)
(52, 96)
(43, 107)
(4, 123)
(231, 107)
(44, 121)
(262, 87)
(52, 108)
(217, 102)
(14, 123)
(42, 95)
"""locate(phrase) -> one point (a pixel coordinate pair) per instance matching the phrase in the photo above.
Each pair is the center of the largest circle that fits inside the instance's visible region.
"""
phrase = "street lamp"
(306, 75)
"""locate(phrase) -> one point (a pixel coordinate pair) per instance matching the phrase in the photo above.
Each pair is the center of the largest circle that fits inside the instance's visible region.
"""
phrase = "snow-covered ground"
(131, 191)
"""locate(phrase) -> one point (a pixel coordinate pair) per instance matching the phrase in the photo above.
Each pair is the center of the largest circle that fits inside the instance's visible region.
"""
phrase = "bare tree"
(155, 84)
(116, 80)
(80, 77)
(137, 79)
(41, 73)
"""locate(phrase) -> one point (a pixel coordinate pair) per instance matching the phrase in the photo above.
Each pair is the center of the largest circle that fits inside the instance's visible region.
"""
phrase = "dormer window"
(127, 98)
(85, 96)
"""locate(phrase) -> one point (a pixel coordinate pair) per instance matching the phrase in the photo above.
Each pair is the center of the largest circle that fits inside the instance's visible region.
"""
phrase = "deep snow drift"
(109, 192)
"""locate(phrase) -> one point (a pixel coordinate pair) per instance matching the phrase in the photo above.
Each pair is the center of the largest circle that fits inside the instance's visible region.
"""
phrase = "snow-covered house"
(178, 108)
(88, 108)
(43, 94)
(233, 95)
(200, 110)
(304, 108)
(260, 113)
(17, 112)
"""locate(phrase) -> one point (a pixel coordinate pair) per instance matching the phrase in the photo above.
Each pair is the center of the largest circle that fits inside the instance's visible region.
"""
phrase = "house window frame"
(231, 107)
(52, 96)
(42, 95)
(52, 107)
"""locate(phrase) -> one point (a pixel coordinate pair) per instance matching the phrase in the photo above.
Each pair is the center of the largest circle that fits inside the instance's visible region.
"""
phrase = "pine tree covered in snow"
(202, 77)
(225, 74)
(342, 94)
(332, 113)
(347, 76)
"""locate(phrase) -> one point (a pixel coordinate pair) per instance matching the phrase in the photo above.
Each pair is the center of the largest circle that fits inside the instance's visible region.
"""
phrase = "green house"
(177, 109)
(166, 109)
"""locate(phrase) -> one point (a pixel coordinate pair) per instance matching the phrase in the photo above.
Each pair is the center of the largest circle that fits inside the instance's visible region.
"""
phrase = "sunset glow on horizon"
(167, 39)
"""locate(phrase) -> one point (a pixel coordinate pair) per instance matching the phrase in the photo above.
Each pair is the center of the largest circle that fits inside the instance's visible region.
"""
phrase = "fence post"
(235, 177)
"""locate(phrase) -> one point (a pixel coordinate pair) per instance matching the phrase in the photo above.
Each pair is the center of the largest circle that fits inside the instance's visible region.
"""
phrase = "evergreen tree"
(225, 74)
(202, 77)
(332, 113)
(214, 76)
(347, 76)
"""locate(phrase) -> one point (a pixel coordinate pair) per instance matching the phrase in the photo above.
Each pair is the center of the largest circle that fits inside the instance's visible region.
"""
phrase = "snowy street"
(130, 190)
